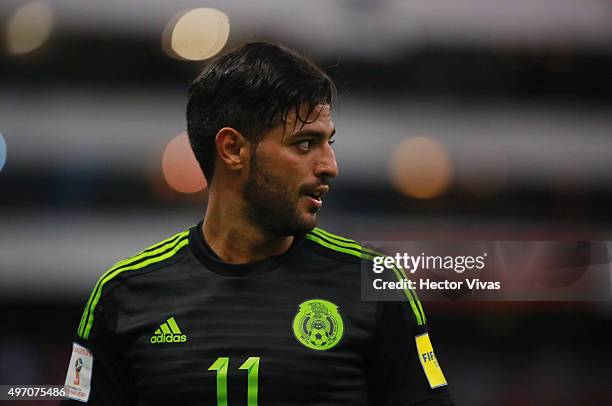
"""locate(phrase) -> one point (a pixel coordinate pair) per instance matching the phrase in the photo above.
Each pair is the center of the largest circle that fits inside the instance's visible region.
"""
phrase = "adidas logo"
(168, 332)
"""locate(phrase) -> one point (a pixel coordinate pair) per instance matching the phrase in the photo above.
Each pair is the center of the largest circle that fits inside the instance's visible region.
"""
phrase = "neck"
(233, 236)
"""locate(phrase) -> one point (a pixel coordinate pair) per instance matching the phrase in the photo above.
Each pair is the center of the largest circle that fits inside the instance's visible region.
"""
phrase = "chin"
(306, 223)
(311, 224)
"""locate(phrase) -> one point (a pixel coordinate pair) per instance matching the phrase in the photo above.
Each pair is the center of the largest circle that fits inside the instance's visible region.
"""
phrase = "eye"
(304, 145)
(331, 142)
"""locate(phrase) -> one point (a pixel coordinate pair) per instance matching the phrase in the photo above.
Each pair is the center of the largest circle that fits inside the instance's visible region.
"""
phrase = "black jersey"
(176, 325)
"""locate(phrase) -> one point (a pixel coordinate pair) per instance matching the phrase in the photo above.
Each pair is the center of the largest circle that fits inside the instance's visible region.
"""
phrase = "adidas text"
(168, 338)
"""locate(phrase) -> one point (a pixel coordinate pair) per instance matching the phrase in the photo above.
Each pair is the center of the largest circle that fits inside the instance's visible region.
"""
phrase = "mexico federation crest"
(318, 325)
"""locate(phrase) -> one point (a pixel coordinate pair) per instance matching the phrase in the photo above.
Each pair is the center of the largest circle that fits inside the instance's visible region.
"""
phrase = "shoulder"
(156, 257)
(347, 250)
(338, 247)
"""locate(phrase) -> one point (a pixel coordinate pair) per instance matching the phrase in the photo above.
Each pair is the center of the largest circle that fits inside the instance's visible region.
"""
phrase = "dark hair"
(251, 89)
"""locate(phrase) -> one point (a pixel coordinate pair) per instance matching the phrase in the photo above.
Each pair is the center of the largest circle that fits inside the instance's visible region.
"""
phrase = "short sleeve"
(404, 369)
(97, 374)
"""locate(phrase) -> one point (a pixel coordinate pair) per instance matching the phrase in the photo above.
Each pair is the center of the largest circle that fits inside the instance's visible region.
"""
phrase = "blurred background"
(457, 119)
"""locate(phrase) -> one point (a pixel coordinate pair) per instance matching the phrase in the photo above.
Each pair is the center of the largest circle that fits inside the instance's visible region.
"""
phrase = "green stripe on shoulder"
(345, 249)
(156, 253)
(348, 246)
(334, 236)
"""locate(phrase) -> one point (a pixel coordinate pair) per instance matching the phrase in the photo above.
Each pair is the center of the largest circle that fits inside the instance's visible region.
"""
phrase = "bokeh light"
(29, 28)
(421, 167)
(180, 168)
(196, 35)
(2, 152)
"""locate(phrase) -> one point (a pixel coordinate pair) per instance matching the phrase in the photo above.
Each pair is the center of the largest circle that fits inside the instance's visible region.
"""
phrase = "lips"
(315, 195)
(317, 203)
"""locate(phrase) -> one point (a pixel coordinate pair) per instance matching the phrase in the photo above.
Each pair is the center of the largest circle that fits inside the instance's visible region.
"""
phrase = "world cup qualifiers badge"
(318, 324)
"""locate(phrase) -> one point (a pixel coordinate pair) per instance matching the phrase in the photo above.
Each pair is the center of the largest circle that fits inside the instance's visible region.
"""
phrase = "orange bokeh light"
(180, 168)
(421, 167)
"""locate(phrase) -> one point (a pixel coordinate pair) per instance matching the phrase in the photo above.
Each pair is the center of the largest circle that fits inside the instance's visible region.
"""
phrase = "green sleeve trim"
(357, 254)
(151, 251)
(334, 236)
(338, 243)
(343, 241)
(149, 256)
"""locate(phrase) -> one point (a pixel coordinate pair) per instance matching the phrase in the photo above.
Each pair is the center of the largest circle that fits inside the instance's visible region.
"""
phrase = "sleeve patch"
(78, 378)
(429, 362)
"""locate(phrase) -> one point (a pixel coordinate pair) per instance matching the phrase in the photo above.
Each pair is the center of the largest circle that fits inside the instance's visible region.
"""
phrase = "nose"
(327, 167)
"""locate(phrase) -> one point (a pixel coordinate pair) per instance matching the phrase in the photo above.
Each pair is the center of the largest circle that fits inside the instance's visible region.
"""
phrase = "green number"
(252, 367)
(220, 365)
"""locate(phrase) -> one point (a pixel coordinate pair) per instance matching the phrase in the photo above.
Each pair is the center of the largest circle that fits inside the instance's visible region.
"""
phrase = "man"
(254, 305)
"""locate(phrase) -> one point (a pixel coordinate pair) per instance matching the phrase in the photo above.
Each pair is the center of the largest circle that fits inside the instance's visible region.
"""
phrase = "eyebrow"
(311, 133)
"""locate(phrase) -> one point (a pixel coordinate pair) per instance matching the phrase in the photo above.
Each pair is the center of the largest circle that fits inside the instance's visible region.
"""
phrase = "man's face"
(289, 173)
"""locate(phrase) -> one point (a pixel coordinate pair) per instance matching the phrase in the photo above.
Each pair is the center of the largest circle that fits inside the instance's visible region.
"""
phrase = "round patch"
(318, 324)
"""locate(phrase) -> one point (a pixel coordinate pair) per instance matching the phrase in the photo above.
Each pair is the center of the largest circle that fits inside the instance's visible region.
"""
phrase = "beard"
(272, 205)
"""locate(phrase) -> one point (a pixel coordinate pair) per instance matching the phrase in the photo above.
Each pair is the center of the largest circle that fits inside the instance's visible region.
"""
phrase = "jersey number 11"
(252, 367)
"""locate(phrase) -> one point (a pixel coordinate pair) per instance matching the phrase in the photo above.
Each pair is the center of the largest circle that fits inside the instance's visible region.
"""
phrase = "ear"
(231, 148)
